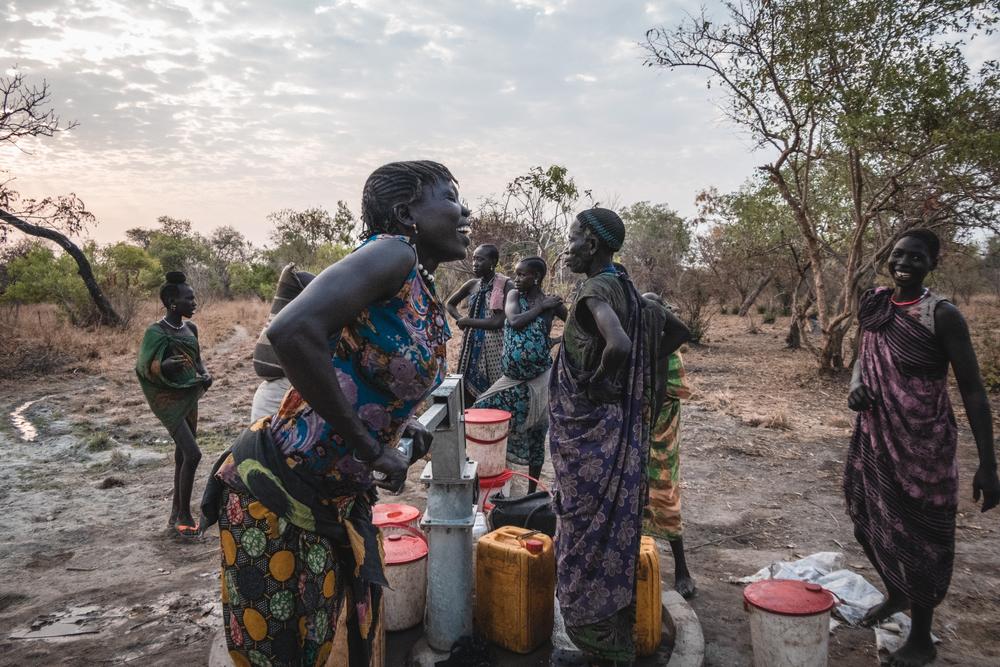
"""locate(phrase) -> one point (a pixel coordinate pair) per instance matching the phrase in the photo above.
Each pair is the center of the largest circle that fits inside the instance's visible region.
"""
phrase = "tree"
(40, 276)
(298, 235)
(25, 113)
(532, 214)
(872, 98)
(991, 263)
(657, 241)
(961, 271)
(228, 246)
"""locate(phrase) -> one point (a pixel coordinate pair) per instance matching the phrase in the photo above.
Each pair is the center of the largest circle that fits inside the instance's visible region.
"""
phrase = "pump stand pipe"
(451, 479)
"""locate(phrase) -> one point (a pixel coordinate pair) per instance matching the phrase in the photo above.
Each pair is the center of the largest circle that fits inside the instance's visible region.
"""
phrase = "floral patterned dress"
(525, 357)
(295, 510)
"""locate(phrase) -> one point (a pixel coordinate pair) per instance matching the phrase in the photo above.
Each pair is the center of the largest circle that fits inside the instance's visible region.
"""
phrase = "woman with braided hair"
(173, 379)
(599, 419)
(363, 345)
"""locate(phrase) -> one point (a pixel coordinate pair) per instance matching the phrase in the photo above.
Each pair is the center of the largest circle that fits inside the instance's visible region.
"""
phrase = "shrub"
(99, 442)
(988, 351)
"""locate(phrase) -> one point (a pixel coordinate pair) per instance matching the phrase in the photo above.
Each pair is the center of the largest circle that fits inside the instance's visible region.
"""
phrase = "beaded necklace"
(910, 303)
(172, 326)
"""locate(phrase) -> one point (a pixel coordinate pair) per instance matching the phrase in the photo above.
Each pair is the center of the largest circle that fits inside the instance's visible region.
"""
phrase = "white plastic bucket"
(486, 432)
(789, 622)
(406, 571)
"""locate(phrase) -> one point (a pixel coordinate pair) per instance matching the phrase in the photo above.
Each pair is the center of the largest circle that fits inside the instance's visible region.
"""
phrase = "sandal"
(188, 532)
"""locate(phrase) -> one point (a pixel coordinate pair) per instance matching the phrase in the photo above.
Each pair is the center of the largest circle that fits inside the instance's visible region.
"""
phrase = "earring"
(173, 306)
(416, 230)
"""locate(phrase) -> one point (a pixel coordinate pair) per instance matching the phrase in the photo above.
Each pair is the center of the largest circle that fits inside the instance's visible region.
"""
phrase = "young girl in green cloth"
(173, 379)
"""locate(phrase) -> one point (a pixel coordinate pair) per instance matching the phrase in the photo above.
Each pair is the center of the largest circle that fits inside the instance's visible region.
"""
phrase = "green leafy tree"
(257, 277)
(657, 242)
(875, 95)
(40, 276)
(25, 113)
(227, 247)
(176, 246)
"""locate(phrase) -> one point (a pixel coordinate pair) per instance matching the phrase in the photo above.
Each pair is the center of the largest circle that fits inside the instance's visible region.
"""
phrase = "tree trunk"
(793, 340)
(754, 294)
(831, 356)
(104, 307)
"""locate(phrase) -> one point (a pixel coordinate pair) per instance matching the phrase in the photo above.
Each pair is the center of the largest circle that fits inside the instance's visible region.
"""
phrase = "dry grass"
(777, 420)
(38, 340)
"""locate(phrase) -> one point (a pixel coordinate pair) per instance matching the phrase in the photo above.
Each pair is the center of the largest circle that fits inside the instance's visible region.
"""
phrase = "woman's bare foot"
(684, 585)
(880, 612)
(914, 653)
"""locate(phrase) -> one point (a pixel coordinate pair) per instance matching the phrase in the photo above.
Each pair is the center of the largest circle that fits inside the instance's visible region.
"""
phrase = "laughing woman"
(173, 379)
(363, 345)
(901, 478)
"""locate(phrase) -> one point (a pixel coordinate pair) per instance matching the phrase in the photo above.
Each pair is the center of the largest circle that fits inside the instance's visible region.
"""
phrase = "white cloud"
(222, 112)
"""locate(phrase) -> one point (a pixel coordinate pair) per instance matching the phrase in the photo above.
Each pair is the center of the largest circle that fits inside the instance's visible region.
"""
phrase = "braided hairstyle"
(397, 183)
(171, 289)
(606, 226)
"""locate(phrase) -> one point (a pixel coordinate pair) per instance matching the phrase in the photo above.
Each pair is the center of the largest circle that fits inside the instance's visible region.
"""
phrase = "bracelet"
(368, 462)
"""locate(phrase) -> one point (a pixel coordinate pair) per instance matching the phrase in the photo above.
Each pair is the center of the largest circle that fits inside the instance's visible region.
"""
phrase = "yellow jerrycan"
(515, 588)
(648, 601)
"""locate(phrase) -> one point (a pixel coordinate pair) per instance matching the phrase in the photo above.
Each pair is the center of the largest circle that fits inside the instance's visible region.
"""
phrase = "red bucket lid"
(486, 416)
(401, 549)
(789, 597)
(384, 513)
(496, 481)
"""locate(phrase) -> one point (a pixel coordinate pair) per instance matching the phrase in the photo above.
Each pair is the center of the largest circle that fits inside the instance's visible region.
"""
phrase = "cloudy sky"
(222, 112)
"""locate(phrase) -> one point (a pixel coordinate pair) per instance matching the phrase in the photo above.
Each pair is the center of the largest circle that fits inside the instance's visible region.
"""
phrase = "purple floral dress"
(599, 453)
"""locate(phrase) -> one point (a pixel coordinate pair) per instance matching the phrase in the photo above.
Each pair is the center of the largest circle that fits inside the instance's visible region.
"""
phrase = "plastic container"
(486, 432)
(648, 600)
(406, 571)
(789, 622)
(491, 486)
(389, 516)
(515, 588)
(479, 527)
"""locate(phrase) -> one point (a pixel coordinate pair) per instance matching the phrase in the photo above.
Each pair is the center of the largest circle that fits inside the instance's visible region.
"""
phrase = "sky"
(222, 112)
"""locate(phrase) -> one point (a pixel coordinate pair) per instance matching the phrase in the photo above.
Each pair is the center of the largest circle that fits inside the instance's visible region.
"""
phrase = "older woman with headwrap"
(599, 418)
(363, 345)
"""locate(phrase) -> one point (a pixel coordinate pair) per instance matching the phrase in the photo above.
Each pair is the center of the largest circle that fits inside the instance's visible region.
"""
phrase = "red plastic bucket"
(789, 622)
(385, 515)
(486, 431)
(491, 486)
(406, 572)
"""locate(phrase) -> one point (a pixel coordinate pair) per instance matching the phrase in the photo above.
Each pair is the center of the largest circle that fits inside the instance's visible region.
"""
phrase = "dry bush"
(777, 420)
(718, 400)
(38, 339)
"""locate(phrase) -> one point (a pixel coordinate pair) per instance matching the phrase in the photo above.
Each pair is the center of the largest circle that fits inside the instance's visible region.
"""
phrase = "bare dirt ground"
(86, 502)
